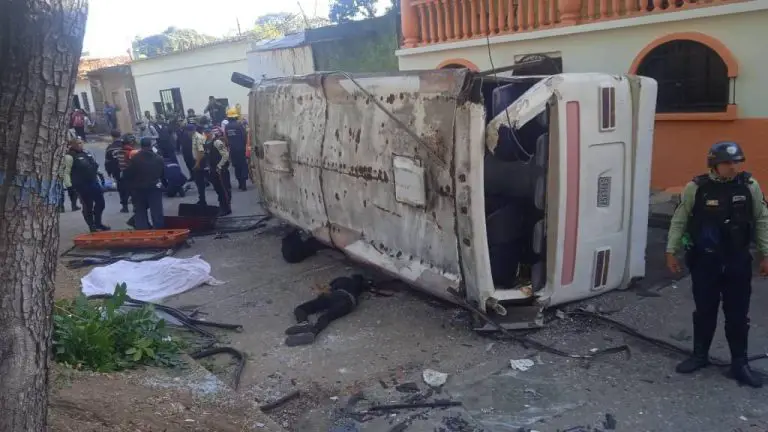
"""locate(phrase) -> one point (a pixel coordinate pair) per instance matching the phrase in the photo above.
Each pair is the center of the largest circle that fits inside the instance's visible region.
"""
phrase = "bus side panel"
(644, 108)
(594, 235)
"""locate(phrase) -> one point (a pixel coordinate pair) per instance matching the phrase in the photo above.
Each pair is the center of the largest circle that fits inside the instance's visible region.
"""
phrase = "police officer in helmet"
(719, 215)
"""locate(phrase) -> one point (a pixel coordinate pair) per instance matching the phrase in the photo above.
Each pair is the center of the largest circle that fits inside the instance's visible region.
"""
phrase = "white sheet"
(150, 280)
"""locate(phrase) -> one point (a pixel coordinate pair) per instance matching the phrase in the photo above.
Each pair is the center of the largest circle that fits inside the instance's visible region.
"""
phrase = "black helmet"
(129, 138)
(147, 142)
(725, 151)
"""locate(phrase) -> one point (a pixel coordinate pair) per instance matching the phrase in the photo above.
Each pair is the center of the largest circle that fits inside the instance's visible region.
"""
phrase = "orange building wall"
(680, 148)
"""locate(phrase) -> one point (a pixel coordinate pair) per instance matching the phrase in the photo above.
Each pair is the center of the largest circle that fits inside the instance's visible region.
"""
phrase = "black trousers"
(240, 163)
(201, 177)
(92, 198)
(72, 197)
(80, 131)
(122, 190)
(331, 307)
(726, 277)
(223, 187)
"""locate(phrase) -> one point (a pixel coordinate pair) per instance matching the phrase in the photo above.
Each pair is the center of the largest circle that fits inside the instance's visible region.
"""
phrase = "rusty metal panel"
(343, 148)
(293, 111)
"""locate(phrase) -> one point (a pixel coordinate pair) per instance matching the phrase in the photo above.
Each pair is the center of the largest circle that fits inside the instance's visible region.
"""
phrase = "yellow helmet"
(232, 113)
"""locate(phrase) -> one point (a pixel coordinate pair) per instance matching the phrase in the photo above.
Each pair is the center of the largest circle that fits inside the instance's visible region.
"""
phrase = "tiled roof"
(90, 64)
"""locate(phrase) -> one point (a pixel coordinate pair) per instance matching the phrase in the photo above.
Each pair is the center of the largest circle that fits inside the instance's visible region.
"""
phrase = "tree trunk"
(40, 45)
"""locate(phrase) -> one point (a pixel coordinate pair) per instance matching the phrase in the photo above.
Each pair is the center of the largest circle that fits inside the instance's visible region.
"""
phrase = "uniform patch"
(712, 203)
(739, 198)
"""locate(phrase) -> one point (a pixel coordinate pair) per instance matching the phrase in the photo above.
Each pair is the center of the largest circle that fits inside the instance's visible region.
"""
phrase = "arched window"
(692, 77)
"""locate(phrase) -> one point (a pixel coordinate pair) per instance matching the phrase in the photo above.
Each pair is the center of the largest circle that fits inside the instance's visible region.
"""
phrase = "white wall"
(197, 73)
(84, 86)
(282, 62)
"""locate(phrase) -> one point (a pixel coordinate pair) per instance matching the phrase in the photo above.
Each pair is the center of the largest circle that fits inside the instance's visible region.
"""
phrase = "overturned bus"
(513, 192)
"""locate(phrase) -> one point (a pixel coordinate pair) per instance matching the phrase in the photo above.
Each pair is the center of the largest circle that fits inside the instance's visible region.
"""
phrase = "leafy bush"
(96, 335)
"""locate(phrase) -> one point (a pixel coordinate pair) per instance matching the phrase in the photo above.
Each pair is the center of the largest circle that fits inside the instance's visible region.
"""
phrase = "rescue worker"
(719, 215)
(83, 172)
(237, 139)
(115, 162)
(218, 158)
(145, 179)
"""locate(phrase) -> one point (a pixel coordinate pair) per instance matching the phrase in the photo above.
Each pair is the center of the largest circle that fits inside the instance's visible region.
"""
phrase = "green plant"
(99, 336)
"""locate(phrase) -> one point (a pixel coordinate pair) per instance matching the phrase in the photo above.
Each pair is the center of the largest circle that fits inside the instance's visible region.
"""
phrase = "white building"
(289, 55)
(185, 79)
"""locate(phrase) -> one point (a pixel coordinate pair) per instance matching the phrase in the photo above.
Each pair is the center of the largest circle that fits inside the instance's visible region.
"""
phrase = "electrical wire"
(509, 121)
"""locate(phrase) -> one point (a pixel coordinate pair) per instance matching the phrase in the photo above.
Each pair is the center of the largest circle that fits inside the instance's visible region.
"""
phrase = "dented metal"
(391, 169)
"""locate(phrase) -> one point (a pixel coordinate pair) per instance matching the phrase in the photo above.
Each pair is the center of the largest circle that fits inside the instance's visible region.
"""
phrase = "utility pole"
(306, 21)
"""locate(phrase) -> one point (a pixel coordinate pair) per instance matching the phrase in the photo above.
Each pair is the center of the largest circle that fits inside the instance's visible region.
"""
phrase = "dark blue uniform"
(237, 139)
(85, 180)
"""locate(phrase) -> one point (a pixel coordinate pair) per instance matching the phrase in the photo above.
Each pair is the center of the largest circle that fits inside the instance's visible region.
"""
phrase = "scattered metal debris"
(280, 401)
(435, 404)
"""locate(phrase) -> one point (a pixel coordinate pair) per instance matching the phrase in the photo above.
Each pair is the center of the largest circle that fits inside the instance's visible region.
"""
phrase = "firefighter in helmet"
(218, 160)
(720, 214)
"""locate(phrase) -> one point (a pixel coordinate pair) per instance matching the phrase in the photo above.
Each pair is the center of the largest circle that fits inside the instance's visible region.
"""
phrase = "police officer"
(237, 137)
(83, 172)
(218, 158)
(144, 176)
(719, 215)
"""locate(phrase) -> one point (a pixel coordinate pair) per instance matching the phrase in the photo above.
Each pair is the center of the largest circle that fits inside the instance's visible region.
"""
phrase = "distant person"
(66, 182)
(215, 110)
(83, 172)
(164, 142)
(146, 130)
(185, 143)
(144, 175)
(116, 161)
(77, 122)
(237, 139)
(200, 169)
(218, 160)
(110, 115)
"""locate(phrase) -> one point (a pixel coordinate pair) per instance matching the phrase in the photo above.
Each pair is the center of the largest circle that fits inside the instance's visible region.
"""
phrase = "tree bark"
(40, 46)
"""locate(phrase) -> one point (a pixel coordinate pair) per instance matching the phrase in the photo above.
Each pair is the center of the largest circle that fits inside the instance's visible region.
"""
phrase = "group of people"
(144, 165)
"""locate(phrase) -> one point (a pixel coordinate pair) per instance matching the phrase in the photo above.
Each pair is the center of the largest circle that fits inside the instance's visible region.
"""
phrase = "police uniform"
(199, 173)
(717, 220)
(82, 171)
(218, 158)
(236, 137)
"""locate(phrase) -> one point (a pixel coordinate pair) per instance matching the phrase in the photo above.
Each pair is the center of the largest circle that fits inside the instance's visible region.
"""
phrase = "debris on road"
(280, 401)
(521, 365)
(434, 378)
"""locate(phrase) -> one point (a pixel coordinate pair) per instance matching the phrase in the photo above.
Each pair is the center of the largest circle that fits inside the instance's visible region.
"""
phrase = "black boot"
(702, 340)
(740, 370)
(242, 185)
(97, 223)
(75, 207)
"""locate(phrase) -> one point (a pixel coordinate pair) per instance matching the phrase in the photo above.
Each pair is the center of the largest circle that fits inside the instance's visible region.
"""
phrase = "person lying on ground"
(341, 300)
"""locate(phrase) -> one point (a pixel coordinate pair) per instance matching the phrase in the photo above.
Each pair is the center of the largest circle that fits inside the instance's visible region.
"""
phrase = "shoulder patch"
(701, 179)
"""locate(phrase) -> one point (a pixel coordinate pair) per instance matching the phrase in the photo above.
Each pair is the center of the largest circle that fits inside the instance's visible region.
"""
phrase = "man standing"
(719, 215)
(115, 162)
(77, 121)
(109, 115)
(144, 175)
(215, 110)
(237, 137)
(185, 143)
(218, 157)
(83, 172)
(146, 130)
(199, 171)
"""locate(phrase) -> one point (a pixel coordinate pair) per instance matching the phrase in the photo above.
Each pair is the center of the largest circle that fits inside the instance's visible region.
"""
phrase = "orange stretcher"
(132, 239)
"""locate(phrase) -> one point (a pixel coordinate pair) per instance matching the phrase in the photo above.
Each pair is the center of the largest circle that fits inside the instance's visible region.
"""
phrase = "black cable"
(654, 341)
(225, 350)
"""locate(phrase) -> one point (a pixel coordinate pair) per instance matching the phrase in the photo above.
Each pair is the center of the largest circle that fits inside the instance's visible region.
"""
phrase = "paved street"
(389, 341)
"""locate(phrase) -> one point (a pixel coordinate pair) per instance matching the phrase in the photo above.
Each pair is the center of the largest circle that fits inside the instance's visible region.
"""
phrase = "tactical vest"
(722, 220)
(84, 168)
(235, 135)
(212, 154)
